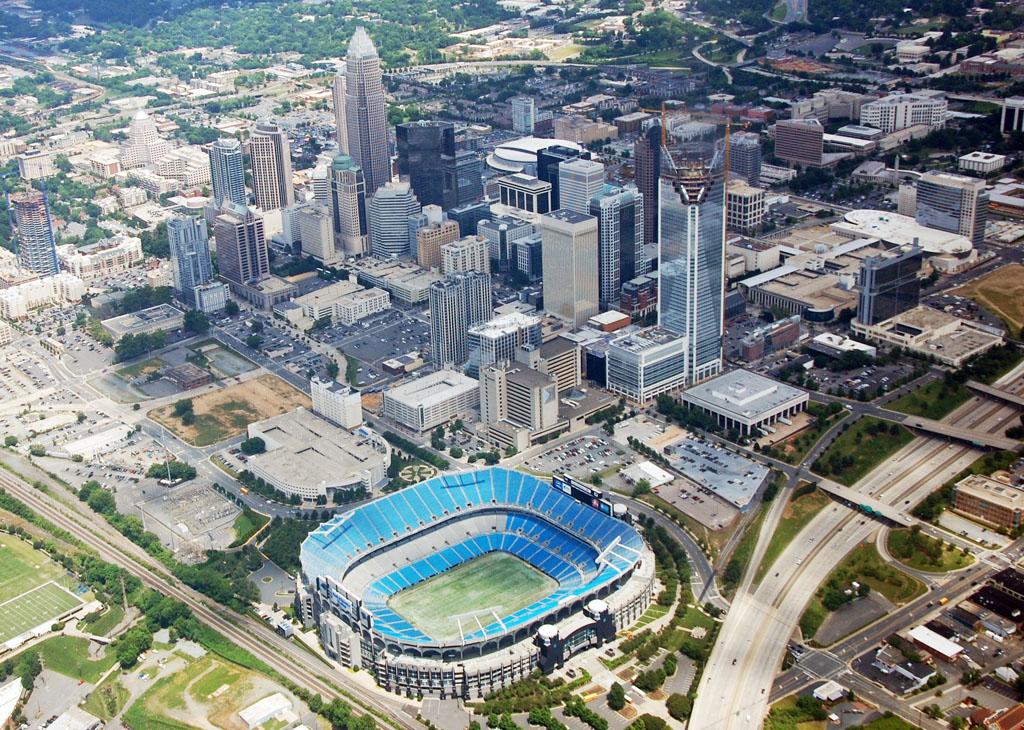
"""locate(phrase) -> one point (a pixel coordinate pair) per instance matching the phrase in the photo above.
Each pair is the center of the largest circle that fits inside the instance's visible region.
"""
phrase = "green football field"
(495, 583)
(22, 568)
(34, 608)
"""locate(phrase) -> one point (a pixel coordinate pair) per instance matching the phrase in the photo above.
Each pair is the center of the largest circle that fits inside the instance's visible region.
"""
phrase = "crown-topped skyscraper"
(365, 111)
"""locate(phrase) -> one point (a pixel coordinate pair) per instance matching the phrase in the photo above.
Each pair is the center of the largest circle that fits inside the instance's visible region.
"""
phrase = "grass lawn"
(934, 400)
(794, 449)
(496, 583)
(683, 519)
(35, 607)
(247, 524)
(560, 54)
(107, 700)
(1001, 292)
(889, 723)
(779, 12)
(786, 714)
(922, 552)
(143, 367)
(795, 517)
(105, 623)
(744, 548)
(655, 611)
(22, 568)
(859, 449)
(69, 656)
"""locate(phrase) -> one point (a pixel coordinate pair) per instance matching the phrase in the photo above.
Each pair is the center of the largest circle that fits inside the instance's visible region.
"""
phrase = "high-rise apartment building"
(365, 111)
(466, 254)
(271, 158)
(189, 245)
(954, 203)
(36, 249)
(570, 256)
(462, 178)
(800, 142)
(457, 303)
(578, 182)
(890, 284)
(421, 146)
(620, 237)
(497, 340)
(316, 231)
(429, 241)
(242, 257)
(501, 235)
(745, 157)
(390, 208)
(348, 206)
(900, 110)
(524, 112)
(691, 268)
(338, 99)
(227, 172)
(646, 171)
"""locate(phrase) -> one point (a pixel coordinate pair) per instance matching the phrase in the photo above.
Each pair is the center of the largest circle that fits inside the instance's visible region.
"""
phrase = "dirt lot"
(1001, 292)
(224, 413)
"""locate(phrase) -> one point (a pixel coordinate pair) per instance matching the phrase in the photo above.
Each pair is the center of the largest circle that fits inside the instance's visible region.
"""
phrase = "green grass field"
(69, 656)
(34, 608)
(795, 517)
(496, 582)
(859, 449)
(22, 568)
(934, 400)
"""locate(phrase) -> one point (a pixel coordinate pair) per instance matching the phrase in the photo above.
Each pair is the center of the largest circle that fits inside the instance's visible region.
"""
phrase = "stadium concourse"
(465, 583)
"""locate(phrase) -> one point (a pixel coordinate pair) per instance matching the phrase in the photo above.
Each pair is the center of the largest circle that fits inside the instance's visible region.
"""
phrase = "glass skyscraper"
(36, 250)
(189, 244)
(365, 111)
(890, 284)
(692, 263)
(227, 172)
(620, 240)
(421, 146)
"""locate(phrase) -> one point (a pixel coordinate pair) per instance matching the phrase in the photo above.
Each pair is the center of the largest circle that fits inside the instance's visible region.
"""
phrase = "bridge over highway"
(868, 504)
(997, 393)
(940, 428)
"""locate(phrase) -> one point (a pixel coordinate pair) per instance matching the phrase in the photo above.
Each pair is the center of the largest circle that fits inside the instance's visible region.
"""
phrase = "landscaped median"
(862, 446)
(921, 552)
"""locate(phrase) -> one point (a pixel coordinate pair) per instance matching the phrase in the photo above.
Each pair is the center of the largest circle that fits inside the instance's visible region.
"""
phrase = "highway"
(761, 621)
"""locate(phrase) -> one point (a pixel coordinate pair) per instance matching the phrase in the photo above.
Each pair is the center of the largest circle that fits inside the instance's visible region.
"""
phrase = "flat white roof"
(432, 389)
(649, 471)
(742, 394)
(901, 230)
(936, 642)
(259, 712)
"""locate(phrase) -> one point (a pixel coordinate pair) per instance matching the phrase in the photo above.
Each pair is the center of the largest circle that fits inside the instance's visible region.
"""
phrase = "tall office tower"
(227, 171)
(466, 254)
(578, 182)
(800, 142)
(338, 98)
(691, 269)
(36, 250)
(430, 239)
(524, 113)
(242, 256)
(470, 215)
(390, 208)
(548, 162)
(320, 181)
(421, 146)
(745, 157)
(462, 178)
(501, 234)
(646, 172)
(365, 115)
(496, 340)
(189, 245)
(348, 206)
(620, 240)
(271, 158)
(316, 231)
(457, 303)
(144, 144)
(890, 284)
(569, 261)
(954, 203)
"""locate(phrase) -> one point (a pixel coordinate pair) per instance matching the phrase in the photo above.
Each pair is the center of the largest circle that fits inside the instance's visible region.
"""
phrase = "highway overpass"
(946, 430)
(868, 504)
(997, 393)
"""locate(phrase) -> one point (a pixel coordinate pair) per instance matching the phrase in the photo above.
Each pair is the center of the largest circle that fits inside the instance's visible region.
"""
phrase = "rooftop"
(732, 477)
(431, 389)
(992, 490)
(742, 393)
(901, 230)
(646, 339)
(505, 324)
(569, 216)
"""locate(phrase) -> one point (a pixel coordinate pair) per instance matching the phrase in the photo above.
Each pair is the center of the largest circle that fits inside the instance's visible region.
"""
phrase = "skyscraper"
(348, 206)
(227, 172)
(954, 203)
(462, 178)
(421, 146)
(620, 240)
(524, 111)
(570, 265)
(457, 303)
(36, 251)
(469, 216)
(646, 171)
(390, 208)
(338, 98)
(501, 234)
(691, 270)
(271, 159)
(578, 182)
(890, 284)
(242, 256)
(365, 112)
(144, 145)
(189, 245)
(548, 162)
(800, 142)
(745, 157)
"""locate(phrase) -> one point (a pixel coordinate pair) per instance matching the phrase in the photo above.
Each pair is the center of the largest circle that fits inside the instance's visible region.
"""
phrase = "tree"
(182, 407)
(253, 342)
(10, 441)
(80, 417)
(196, 322)
(231, 308)
(679, 706)
(254, 445)
(642, 487)
(617, 697)
(256, 326)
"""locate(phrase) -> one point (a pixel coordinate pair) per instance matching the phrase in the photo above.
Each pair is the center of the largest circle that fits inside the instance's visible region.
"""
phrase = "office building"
(497, 340)
(890, 284)
(144, 145)
(457, 303)
(524, 196)
(570, 262)
(316, 231)
(429, 215)
(336, 402)
(691, 269)
(227, 172)
(338, 99)
(990, 500)
(515, 394)
(36, 250)
(578, 182)
(271, 159)
(620, 236)
(422, 404)
(800, 142)
(901, 110)
(646, 173)
(549, 160)
(524, 112)
(745, 157)
(365, 111)
(746, 400)
(643, 365)
(189, 245)
(211, 297)
(469, 253)
(348, 206)
(528, 255)
(390, 208)
(744, 207)
(242, 257)
(429, 241)
(462, 178)
(953, 203)
(1012, 117)
(470, 215)
(421, 146)
(501, 234)
(36, 165)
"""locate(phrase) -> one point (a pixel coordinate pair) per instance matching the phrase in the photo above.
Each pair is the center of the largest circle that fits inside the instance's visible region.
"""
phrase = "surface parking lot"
(581, 458)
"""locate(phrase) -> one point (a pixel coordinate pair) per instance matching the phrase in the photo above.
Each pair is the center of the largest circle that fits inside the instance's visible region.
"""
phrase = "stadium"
(465, 583)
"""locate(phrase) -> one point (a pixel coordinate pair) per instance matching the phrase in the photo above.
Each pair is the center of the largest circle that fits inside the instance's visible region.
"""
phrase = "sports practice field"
(496, 582)
(28, 598)
(34, 608)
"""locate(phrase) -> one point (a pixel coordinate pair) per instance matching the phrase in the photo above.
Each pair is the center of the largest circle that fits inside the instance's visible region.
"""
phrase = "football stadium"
(466, 583)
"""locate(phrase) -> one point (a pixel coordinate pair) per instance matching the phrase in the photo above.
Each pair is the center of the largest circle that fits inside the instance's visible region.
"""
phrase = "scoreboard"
(582, 492)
